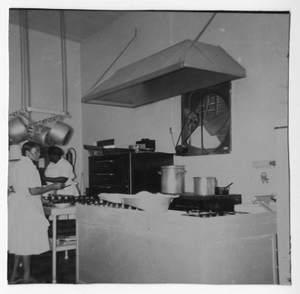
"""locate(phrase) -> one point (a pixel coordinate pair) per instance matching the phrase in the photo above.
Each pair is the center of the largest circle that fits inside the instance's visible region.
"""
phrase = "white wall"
(46, 82)
(259, 42)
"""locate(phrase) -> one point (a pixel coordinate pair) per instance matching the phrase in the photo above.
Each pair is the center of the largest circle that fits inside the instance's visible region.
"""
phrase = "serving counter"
(132, 246)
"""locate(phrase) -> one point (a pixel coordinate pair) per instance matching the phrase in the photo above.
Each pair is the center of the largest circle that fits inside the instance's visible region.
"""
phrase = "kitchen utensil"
(223, 190)
(156, 203)
(172, 179)
(43, 137)
(60, 133)
(228, 185)
(204, 186)
(17, 130)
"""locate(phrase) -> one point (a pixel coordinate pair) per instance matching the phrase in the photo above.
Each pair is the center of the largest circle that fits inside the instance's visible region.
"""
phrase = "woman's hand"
(58, 186)
(42, 190)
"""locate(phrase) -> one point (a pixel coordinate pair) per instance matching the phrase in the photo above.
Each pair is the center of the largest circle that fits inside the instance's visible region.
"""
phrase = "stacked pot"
(58, 134)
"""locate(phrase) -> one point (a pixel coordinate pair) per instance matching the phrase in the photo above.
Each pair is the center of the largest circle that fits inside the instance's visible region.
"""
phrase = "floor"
(41, 267)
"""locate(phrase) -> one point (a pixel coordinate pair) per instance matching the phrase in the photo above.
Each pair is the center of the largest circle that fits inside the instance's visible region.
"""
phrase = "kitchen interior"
(176, 123)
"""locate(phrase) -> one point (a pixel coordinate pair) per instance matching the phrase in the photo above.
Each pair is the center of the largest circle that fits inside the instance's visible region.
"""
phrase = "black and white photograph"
(150, 146)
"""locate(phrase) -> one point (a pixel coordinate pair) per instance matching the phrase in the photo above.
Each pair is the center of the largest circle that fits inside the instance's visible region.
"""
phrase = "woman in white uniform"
(60, 170)
(27, 224)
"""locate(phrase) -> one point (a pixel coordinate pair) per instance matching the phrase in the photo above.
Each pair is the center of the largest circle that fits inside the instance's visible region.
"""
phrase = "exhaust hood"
(179, 69)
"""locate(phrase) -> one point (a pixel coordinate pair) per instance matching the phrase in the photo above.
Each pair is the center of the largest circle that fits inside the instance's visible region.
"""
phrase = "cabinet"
(127, 173)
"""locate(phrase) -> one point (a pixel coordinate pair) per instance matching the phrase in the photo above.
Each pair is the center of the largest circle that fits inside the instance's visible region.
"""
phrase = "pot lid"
(179, 69)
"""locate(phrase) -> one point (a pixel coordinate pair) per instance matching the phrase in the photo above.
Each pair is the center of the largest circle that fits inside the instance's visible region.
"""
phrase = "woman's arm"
(55, 180)
(42, 190)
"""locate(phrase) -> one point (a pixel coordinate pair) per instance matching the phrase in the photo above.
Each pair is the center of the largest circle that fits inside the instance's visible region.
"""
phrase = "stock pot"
(59, 133)
(172, 179)
(43, 137)
(17, 130)
(204, 186)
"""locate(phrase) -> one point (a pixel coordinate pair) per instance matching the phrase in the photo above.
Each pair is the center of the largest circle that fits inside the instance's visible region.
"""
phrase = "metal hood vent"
(179, 69)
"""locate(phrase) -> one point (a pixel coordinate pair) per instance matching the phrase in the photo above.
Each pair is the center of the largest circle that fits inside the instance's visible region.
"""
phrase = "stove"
(213, 203)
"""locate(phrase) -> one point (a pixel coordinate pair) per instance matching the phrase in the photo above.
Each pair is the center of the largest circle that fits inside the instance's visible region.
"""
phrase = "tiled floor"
(41, 267)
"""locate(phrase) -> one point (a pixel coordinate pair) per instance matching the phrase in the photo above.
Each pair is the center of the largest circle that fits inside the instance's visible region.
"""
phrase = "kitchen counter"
(132, 246)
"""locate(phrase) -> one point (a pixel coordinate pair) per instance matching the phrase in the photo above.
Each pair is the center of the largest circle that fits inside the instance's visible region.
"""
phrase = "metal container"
(59, 133)
(17, 131)
(43, 137)
(204, 186)
(172, 179)
(222, 190)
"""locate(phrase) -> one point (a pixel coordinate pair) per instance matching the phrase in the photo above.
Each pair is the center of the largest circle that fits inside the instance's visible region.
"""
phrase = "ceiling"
(79, 24)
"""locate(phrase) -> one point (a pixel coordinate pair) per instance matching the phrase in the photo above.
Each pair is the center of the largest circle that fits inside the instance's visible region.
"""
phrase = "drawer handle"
(104, 161)
(106, 174)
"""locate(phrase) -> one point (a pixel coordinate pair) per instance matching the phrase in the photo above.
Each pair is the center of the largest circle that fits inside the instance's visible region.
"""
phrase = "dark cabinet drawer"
(107, 178)
(97, 189)
(109, 164)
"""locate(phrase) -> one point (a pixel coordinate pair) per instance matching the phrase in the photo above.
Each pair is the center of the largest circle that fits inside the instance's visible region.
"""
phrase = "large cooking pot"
(17, 130)
(43, 137)
(204, 186)
(172, 179)
(59, 133)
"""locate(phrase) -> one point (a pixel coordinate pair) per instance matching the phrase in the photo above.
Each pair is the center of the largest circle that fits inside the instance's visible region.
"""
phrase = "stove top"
(206, 214)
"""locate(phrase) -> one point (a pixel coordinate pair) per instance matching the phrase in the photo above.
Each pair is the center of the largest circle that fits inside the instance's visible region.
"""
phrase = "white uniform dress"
(63, 168)
(27, 224)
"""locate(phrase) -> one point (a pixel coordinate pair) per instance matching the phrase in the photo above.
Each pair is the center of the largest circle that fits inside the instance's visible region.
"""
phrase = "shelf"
(59, 211)
(64, 247)
(54, 246)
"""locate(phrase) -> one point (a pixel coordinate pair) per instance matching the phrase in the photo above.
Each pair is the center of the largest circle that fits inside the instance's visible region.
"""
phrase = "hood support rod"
(199, 35)
(92, 88)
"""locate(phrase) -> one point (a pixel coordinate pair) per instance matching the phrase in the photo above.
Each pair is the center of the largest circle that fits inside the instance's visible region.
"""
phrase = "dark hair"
(54, 150)
(28, 146)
